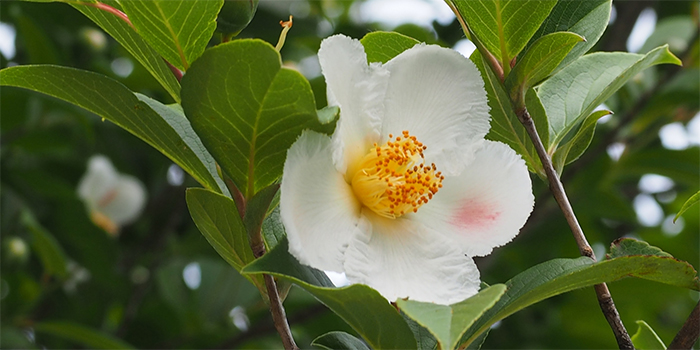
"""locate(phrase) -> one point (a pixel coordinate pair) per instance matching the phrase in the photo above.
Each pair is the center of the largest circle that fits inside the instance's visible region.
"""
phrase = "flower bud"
(235, 15)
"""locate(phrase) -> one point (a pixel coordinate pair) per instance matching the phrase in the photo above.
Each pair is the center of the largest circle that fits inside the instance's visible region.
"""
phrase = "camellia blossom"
(112, 199)
(407, 190)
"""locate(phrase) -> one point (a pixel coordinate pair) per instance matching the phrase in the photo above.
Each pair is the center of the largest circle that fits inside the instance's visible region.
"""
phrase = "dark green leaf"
(448, 323)
(424, 339)
(178, 29)
(562, 275)
(538, 61)
(46, 247)
(339, 341)
(674, 31)
(328, 117)
(572, 149)
(603, 73)
(79, 334)
(273, 229)
(137, 47)
(247, 110)
(586, 18)
(383, 46)
(363, 308)
(682, 166)
(504, 26)
(505, 126)
(169, 133)
(646, 338)
(630, 246)
(689, 203)
(257, 208)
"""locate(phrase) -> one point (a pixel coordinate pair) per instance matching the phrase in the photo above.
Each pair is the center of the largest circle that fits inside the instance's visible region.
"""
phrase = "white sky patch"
(606, 118)
(671, 229)
(122, 67)
(338, 279)
(613, 15)
(175, 175)
(674, 136)
(310, 67)
(649, 212)
(694, 130)
(392, 13)
(465, 47)
(615, 150)
(240, 318)
(646, 22)
(192, 275)
(599, 249)
(653, 183)
(7, 40)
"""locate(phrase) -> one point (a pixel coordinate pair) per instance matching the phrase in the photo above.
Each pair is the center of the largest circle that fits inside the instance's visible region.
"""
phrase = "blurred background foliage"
(67, 284)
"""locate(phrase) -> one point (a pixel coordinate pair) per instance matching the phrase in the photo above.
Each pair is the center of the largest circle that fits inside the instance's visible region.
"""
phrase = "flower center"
(393, 179)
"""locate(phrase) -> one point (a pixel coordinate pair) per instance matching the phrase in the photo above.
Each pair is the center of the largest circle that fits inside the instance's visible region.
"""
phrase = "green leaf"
(538, 61)
(217, 219)
(134, 44)
(574, 148)
(339, 341)
(273, 229)
(562, 275)
(247, 110)
(504, 26)
(630, 246)
(675, 31)
(257, 208)
(46, 247)
(602, 73)
(178, 29)
(505, 126)
(168, 132)
(328, 117)
(689, 203)
(363, 308)
(586, 18)
(448, 323)
(424, 339)
(383, 46)
(79, 334)
(680, 165)
(646, 338)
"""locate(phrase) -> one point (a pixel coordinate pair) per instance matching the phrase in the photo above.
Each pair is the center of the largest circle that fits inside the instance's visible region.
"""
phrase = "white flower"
(112, 199)
(407, 189)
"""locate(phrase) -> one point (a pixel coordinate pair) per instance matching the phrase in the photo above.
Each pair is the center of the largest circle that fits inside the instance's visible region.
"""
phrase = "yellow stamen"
(393, 180)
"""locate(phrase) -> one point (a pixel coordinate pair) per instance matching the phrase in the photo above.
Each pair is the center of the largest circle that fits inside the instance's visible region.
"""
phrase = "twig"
(689, 333)
(604, 298)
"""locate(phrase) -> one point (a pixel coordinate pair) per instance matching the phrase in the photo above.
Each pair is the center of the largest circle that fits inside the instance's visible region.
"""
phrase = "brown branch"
(689, 333)
(605, 300)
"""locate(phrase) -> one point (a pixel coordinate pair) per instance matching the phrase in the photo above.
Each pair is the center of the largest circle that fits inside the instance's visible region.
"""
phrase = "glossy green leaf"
(504, 26)
(328, 117)
(178, 29)
(629, 246)
(134, 44)
(383, 46)
(247, 110)
(449, 322)
(586, 18)
(273, 229)
(646, 338)
(572, 149)
(424, 339)
(689, 203)
(168, 132)
(602, 74)
(538, 61)
(505, 126)
(339, 341)
(562, 275)
(88, 337)
(363, 308)
(675, 31)
(257, 208)
(46, 247)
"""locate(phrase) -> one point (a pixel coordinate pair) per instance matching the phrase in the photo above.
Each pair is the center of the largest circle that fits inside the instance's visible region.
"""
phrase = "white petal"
(438, 96)
(486, 205)
(123, 204)
(358, 89)
(318, 208)
(99, 179)
(402, 259)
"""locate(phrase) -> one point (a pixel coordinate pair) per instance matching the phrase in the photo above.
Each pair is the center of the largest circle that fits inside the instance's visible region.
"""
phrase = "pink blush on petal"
(475, 215)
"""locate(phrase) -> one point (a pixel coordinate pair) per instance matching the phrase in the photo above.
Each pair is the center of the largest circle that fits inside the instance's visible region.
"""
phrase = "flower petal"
(438, 96)
(123, 204)
(486, 205)
(358, 89)
(318, 208)
(99, 179)
(402, 259)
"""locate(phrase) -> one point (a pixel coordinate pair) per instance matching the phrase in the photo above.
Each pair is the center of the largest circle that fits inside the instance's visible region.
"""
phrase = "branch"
(604, 298)
(689, 333)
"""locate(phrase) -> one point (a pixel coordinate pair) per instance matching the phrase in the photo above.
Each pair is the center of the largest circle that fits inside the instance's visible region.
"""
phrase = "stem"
(605, 300)
(689, 333)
